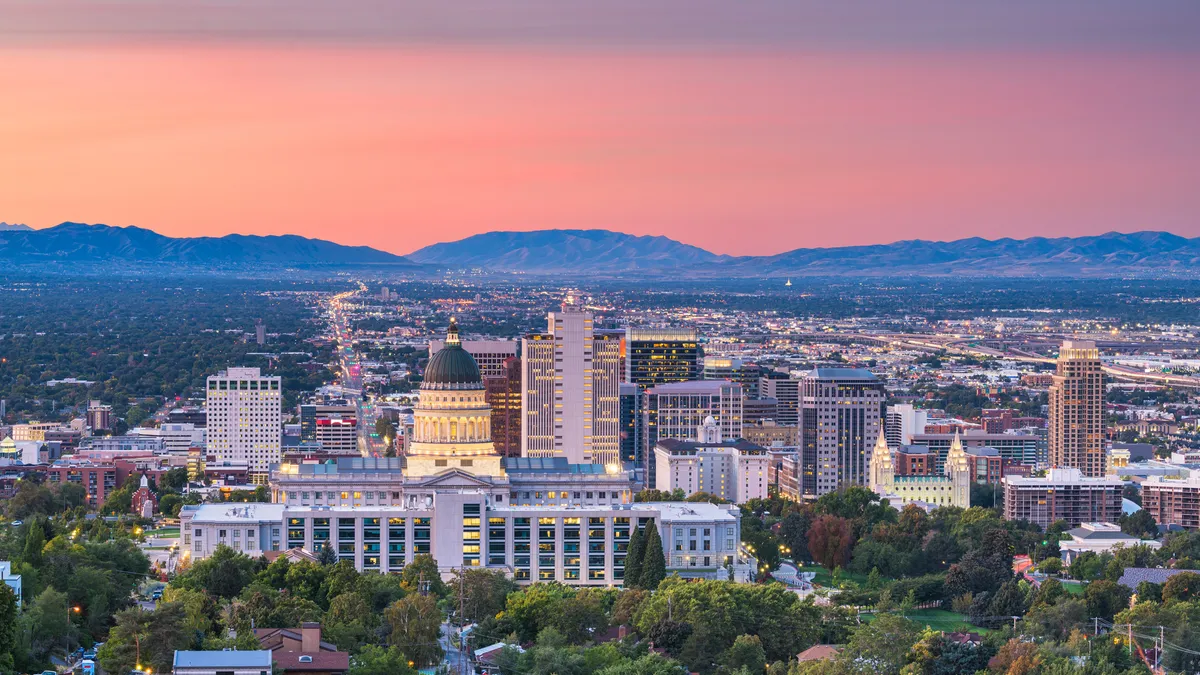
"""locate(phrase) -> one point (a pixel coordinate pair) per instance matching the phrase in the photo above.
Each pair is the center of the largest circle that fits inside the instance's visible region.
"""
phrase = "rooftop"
(520, 465)
(684, 511)
(1064, 476)
(1135, 575)
(712, 387)
(259, 658)
(238, 513)
(677, 445)
(842, 374)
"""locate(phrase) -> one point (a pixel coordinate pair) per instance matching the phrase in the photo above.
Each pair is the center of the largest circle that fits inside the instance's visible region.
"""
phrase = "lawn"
(164, 533)
(825, 577)
(938, 619)
(1073, 587)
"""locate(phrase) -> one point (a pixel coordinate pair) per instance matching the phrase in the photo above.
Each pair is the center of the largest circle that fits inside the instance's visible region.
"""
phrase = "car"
(17, 523)
(157, 594)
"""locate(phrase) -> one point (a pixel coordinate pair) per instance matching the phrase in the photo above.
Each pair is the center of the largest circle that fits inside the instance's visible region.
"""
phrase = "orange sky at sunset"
(738, 150)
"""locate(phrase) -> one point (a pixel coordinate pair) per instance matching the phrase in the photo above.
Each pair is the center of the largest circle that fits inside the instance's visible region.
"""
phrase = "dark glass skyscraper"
(661, 355)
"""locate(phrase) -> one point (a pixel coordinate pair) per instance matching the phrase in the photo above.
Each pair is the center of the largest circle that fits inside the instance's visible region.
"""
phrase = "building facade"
(489, 355)
(659, 355)
(903, 422)
(786, 392)
(1173, 501)
(951, 489)
(734, 370)
(1063, 494)
(503, 393)
(571, 389)
(842, 414)
(1076, 428)
(732, 469)
(1014, 448)
(245, 421)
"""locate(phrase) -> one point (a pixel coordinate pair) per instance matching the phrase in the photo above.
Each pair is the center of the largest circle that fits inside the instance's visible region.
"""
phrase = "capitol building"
(453, 497)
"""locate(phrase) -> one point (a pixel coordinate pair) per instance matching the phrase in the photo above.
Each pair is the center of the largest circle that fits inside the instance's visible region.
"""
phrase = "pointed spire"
(956, 444)
(881, 442)
(452, 333)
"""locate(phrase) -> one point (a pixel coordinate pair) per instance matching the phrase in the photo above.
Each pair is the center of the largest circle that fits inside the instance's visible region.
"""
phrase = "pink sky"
(735, 149)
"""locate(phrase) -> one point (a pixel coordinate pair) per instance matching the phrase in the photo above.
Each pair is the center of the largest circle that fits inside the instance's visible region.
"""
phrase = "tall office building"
(570, 384)
(99, 416)
(842, 411)
(786, 392)
(1076, 429)
(903, 422)
(631, 423)
(489, 354)
(260, 332)
(503, 394)
(660, 355)
(735, 370)
(677, 409)
(245, 421)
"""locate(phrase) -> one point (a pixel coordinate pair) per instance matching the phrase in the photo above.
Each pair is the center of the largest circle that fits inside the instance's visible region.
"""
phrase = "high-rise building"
(1076, 429)
(338, 434)
(631, 423)
(245, 422)
(1173, 501)
(260, 332)
(489, 354)
(503, 394)
(570, 383)
(1063, 494)
(756, 410)
(677, 409)
(786, 393)
(842, 411)
(660, 355)
(313, 416)
(734, 369)
(903, 422)
(99, 416)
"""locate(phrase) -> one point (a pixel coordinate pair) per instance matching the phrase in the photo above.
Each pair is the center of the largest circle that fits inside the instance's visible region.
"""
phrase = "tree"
(170, 504)
(829, 541)
(1007, 602)
(224, 574)
(51, 627)
(326, 556)
(1105, 598)
(633, 559)
(881, 645)
(480, 593)
(175, 479)
(348, 622)
(746, 652)
(414, 623)
(1181, 587)
(375, 660)
(35, 541)
(146, 638)
(423, 570)
(671, 635)
(1140, 524)
(8, 626)
(654, 564)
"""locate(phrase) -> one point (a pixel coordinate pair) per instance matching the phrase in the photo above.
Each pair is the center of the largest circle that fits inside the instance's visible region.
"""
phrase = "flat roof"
(842, 374)
(238, 513)
(259, 658)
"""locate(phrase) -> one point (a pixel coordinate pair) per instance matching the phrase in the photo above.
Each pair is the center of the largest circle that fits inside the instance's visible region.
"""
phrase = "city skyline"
(806, 128)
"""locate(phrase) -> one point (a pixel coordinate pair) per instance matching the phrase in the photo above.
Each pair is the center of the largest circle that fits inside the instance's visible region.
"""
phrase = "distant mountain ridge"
(589, 252)
(77, 242)
(14, 227)
(577, 251)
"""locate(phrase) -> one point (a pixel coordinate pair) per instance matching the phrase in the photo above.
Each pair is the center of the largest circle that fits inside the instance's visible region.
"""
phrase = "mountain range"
(583, 252)
(608, 253)
(77, 242)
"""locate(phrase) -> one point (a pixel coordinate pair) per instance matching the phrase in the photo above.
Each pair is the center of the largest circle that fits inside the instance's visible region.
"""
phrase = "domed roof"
(452, 367)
